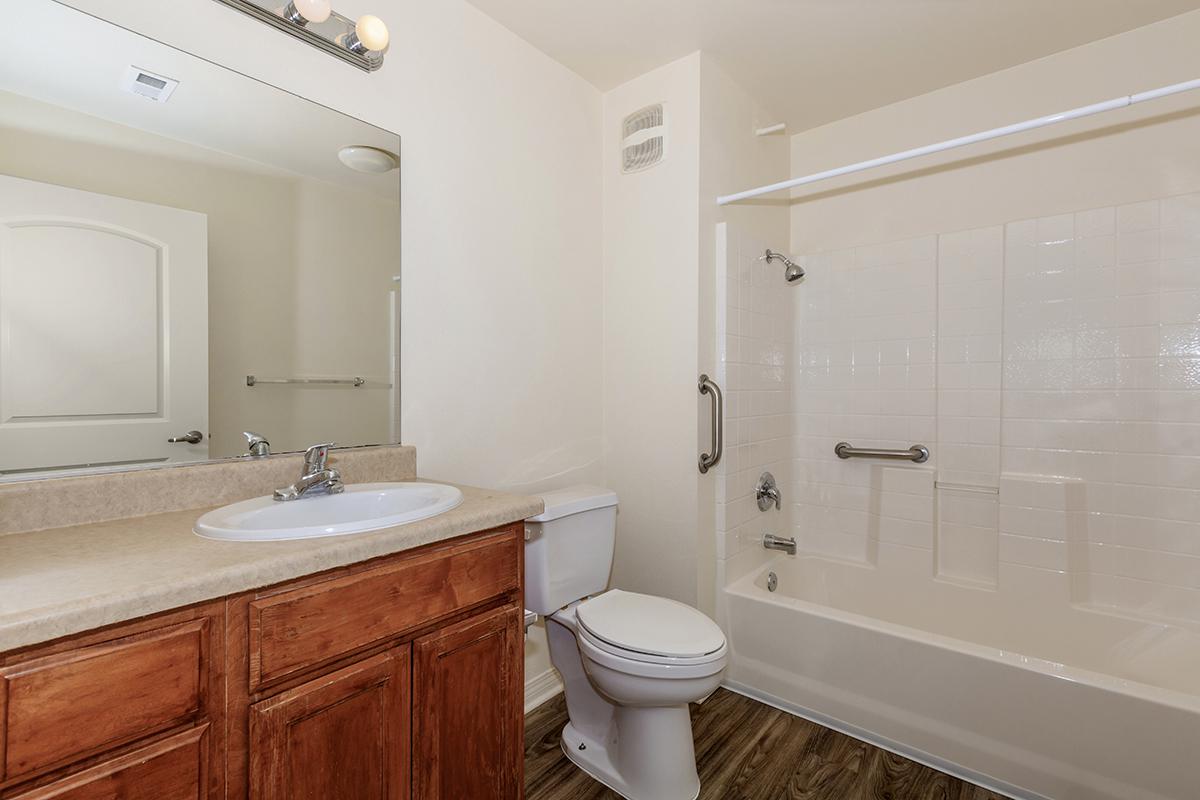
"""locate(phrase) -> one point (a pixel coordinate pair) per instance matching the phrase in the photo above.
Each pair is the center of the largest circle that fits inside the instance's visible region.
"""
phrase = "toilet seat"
(649, 629)
(640, 665)
(602, 646)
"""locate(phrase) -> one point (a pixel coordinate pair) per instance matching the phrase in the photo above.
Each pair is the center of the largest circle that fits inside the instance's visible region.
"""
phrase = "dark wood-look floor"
(749, 751)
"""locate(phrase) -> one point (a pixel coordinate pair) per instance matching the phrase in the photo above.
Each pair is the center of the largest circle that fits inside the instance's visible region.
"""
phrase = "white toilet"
(630, 663)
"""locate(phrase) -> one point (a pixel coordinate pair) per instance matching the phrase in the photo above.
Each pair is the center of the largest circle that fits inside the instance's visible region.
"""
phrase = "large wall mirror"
(186, 254)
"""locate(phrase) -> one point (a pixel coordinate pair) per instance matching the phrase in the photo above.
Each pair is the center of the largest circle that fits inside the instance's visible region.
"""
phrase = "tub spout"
(773, 542)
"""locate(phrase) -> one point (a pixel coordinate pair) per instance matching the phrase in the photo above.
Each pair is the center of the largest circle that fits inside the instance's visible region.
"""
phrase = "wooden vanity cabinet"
(397, 678)
(132, 711)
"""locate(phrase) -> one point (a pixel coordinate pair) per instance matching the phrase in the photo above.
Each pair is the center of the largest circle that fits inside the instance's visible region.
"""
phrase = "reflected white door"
(103, 329)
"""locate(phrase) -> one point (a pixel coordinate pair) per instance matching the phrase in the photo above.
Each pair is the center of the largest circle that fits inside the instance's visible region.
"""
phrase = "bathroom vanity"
(395, 678)
(391, 666)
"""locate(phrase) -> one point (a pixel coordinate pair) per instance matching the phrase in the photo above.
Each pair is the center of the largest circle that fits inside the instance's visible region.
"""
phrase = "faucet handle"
(316, 456)
(767, 492)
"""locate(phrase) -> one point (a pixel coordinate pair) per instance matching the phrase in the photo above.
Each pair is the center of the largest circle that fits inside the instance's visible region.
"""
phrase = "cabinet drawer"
(300, 628)
(172, 769)
(59, 708)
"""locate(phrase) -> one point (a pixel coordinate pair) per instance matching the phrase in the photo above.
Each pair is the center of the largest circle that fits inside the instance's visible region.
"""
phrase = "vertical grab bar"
(707, 462)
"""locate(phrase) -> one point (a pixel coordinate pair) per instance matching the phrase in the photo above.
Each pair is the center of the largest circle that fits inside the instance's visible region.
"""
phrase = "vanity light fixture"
(302, 12)
(369, 34)
(360, 42)
(363, 158)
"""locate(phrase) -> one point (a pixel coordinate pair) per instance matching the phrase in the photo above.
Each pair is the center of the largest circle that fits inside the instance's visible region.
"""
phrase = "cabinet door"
(341, 737)
(468, 724)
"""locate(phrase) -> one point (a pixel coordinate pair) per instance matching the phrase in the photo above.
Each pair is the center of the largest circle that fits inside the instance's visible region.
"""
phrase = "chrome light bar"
(336, 34)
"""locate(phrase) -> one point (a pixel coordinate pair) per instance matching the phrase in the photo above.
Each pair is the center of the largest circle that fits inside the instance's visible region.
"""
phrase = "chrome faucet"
(773, 542)
(256, 444)
(767, 492)
(318, 477)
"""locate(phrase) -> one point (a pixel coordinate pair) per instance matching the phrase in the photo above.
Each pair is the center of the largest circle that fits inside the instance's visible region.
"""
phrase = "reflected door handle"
(191, 437)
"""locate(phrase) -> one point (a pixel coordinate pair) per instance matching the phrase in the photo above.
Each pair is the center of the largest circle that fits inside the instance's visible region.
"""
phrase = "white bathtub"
(1019, 691)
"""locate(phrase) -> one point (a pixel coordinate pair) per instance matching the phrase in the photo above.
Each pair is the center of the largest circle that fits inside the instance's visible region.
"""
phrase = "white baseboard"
(541, 688)
(911, 753)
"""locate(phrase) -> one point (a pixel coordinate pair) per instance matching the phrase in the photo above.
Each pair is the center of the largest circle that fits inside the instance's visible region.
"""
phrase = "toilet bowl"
(630, 663)
(630, 727)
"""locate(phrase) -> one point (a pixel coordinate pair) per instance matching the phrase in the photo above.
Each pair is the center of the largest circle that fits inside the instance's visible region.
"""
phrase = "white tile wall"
(1052, 365)
(968, 535)
(1102, 386)
(865, 373)
(1039, 518)
(755, 322)
(969, 325)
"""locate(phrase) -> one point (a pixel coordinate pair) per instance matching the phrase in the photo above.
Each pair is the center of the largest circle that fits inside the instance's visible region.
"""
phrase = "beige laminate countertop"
(67, 580)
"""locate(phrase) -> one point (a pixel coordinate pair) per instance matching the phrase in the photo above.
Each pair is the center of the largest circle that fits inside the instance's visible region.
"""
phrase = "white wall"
(501, 227)
(660, 230)
(651, 286)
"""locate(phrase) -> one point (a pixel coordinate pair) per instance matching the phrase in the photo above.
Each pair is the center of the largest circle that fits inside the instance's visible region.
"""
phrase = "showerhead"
(792, 271)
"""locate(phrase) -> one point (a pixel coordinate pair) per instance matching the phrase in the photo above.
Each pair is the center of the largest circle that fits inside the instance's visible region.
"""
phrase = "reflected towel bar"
(252, 380)
(918, 453)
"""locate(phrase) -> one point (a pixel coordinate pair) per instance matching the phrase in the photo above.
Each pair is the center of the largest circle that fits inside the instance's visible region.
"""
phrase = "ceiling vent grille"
(644, 138)
(146, 84)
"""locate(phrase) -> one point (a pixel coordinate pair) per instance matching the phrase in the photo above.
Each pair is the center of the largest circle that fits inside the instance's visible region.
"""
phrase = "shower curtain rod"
(950, 144)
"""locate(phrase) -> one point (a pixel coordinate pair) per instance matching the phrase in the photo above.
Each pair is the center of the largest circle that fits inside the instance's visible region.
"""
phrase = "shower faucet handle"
(767, 493)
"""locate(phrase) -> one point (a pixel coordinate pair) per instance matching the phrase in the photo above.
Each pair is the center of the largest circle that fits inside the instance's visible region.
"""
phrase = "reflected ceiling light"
(363, 158)
(370, 34)
(361, 42)
(303, 12)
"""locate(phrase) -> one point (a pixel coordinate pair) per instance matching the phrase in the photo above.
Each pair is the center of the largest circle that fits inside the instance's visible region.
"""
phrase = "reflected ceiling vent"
(644, 138)
(146, 84)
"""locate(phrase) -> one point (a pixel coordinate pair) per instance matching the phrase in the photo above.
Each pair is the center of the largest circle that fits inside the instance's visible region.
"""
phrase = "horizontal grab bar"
(918, 453)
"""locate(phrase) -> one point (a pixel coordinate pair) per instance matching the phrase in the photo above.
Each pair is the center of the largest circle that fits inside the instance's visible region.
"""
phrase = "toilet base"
(651, 773)
(592, 757)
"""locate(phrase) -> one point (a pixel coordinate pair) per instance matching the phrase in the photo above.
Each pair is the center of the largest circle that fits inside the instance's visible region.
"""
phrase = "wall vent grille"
(644, 138)
(638, 157)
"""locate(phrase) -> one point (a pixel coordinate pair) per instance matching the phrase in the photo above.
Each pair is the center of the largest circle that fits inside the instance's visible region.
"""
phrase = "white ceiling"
(815, 61)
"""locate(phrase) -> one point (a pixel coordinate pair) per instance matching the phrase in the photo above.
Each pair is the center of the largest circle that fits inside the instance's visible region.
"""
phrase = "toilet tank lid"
(573, 500)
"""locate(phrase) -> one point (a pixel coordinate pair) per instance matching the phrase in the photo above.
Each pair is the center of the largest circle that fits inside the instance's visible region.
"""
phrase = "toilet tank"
(569, 547)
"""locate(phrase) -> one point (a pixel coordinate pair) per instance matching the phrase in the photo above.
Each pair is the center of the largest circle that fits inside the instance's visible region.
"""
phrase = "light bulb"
(305, 11)
(371, 31)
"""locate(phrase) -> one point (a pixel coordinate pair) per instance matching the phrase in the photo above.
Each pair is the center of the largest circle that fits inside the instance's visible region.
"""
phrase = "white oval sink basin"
(362, 507)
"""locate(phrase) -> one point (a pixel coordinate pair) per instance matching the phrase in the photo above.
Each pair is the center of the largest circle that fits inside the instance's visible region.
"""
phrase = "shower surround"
(1052, 366)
